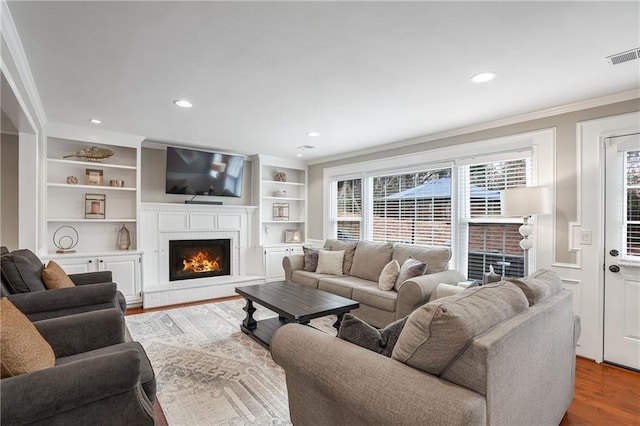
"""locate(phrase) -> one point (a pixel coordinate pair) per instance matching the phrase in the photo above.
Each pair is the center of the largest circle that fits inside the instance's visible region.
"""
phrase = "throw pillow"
(349, 251)
(22, 271)
(437, 332)
(310, 259)
(409, 269)
(539, 285)
(24, 350)
(389, 275)
(330, 262)
(55, 277)
(436, 258)
(358, 332)
(370, 259)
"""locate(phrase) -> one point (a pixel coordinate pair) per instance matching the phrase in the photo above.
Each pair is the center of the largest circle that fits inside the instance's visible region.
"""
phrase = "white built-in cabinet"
(282, 209)
(64, 203)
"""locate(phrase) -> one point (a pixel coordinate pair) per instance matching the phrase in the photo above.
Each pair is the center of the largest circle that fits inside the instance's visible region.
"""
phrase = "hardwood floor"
(604, 394)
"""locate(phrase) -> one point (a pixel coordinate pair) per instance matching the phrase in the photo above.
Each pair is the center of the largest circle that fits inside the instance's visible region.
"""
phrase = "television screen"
(203, 173)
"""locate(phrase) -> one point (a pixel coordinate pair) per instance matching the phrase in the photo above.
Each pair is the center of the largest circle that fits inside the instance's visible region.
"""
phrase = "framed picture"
(94, 206)
(292, 236)
(280, 211)
(93, 177)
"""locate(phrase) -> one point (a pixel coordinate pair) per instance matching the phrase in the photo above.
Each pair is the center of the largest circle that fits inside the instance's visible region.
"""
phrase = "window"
(412, 208)
(632, 218)
(348, 212)
(492, 240)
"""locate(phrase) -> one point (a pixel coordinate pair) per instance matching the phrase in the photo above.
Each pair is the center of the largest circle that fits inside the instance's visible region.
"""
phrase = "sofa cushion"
(539, 285)
(436, 332)
(308, 279)
(349, 251)
(310, 259)
(342, 286)
(382, 341)
(374, 296)
(24, 350)
(369, 259)
(22, 271)
(330, 262)
(411, 268)
(436, 258)
(389, 275)
(55, 277)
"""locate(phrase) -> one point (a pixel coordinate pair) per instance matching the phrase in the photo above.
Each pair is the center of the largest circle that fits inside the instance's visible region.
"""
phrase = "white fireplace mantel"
(162, 222)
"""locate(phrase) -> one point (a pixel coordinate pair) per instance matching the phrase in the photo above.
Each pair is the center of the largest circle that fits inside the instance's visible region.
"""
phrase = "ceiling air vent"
(627, 56)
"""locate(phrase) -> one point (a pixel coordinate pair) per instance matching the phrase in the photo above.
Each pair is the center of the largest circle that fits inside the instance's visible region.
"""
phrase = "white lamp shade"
(525, 201)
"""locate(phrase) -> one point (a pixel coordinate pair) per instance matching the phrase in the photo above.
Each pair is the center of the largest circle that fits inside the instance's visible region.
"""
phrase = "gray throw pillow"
(410, 268)
(358, 332)
(310, 259)
(22, 271)
(539, 285)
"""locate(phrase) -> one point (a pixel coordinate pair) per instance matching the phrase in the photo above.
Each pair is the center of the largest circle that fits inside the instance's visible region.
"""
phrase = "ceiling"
(362, 74)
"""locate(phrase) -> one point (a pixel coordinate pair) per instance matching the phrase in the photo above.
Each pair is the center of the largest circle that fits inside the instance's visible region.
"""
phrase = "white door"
(622, 252)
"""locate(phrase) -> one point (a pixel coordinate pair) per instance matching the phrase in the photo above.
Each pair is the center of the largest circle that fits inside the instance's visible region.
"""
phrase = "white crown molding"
(12, 40)
(535, 115)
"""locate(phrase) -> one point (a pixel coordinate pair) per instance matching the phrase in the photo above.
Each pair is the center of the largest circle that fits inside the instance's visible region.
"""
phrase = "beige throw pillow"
(349, 250)
(539, 285)
(24, 350)
(330, 262)
(389, 275)
(55, 277)
(370, 259)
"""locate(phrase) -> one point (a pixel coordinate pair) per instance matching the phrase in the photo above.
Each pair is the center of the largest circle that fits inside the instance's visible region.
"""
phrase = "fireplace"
(190, 259)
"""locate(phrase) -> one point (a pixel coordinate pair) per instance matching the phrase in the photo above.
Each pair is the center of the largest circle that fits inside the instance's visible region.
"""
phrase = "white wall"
(9, 191)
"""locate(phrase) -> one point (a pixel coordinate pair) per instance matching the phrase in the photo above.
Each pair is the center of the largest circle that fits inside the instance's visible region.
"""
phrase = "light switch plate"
(586, 236)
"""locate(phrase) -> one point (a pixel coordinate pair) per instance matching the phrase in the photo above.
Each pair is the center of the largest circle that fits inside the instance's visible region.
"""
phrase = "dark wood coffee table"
(293, 303)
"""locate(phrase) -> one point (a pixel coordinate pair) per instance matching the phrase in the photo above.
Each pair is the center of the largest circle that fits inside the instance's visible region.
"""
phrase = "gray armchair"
(97, 377)
(22, 284)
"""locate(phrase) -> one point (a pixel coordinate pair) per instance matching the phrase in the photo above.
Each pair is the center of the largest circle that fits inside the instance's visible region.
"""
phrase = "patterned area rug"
(210, 373)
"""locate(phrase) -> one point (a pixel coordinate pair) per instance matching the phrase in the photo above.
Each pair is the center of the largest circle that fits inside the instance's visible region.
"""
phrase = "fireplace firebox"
(190, 259)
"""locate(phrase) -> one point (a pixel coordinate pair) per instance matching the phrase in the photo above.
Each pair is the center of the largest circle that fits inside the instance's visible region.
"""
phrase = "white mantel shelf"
(180, 206)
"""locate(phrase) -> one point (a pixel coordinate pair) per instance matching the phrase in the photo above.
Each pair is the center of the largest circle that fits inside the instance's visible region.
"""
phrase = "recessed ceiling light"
(483, 77)
(313, 134)
(95, 121)
(183, 103)
(298, 155)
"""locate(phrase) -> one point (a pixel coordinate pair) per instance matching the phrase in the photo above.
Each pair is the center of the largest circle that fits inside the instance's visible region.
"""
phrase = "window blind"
(348, 211)
(412, 208)
(631, 227)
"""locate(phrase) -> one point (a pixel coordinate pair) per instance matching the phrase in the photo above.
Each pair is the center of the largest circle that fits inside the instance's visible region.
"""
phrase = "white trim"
(591, 135)
(16, 52)
(535, 115)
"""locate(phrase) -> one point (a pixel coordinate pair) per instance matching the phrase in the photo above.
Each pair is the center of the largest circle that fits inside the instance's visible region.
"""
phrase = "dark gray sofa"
(98, 378)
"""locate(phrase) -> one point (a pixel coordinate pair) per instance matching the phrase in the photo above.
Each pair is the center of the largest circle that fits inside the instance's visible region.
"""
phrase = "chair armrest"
(292, 263)
(64, 301)
(417, 291)
(92, 277)
(63, 388)
(73, 334)
(330, 380)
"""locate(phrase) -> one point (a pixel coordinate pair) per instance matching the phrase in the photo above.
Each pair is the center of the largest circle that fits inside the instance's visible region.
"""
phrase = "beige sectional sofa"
(362, 265)
(486, 356)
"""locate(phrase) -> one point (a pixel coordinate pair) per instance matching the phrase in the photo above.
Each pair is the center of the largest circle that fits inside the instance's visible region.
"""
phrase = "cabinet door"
(77, 265)
(126, 273)
(295, 250)
(273, 263)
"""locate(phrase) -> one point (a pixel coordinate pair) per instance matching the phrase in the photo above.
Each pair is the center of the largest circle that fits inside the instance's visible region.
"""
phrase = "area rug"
(210, 373)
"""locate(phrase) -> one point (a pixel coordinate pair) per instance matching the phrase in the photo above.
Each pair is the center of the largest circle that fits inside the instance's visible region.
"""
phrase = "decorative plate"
(92, 154)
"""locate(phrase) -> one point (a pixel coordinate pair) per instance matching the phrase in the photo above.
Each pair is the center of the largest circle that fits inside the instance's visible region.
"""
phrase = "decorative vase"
(280, 177)
(124, 238)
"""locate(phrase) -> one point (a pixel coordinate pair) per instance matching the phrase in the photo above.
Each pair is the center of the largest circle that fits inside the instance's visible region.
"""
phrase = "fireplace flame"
(201, 263)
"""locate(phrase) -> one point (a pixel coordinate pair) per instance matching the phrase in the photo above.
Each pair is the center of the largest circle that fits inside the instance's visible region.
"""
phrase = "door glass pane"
(631, 227)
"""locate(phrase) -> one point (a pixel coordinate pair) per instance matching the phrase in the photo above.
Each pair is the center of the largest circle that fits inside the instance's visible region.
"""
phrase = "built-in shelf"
(54, 220)
(101, 187)
(284, 222)
(283, 198)
(283, 183)
(91, 163)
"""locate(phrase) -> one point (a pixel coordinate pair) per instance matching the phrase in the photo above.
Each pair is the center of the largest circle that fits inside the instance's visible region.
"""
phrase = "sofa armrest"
(60, 392)
(417, 291)
(292, 263)
(92, 277)
(39, 305)
(73, 334)
(331, 381)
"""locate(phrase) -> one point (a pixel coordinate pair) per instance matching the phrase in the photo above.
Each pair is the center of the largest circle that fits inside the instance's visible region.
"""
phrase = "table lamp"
(525, 201)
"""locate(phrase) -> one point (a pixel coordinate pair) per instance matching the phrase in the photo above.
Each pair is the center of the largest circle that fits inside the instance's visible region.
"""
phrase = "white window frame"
(541, 143)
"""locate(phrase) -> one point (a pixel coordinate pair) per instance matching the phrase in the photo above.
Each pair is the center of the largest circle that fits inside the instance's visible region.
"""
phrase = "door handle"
(614, 268)
(614, 252)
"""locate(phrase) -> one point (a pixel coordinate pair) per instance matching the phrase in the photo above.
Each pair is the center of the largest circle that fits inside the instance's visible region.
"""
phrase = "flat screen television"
(203, 173)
